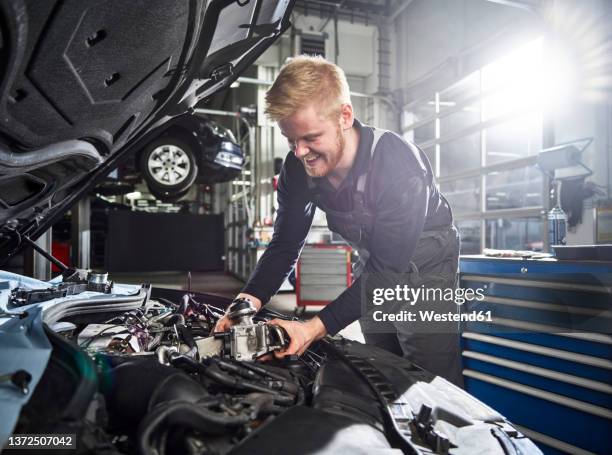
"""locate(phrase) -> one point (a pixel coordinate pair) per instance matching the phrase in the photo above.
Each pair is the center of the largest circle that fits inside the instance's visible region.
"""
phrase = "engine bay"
(152, 379)
(135, 370)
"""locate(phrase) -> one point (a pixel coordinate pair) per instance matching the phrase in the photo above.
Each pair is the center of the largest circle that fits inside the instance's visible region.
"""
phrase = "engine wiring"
(235, 396)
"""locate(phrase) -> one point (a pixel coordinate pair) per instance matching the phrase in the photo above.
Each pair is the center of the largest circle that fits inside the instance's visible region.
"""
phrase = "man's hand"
(301, 334)
(224, 324)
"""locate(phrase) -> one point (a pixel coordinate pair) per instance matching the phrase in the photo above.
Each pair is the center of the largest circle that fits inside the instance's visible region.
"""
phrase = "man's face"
(317, 141)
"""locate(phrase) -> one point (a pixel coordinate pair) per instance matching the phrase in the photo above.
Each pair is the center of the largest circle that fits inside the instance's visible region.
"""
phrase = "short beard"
(331, 160)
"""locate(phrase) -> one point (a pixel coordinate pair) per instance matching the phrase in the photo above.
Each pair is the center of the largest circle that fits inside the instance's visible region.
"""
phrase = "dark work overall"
(434, 264)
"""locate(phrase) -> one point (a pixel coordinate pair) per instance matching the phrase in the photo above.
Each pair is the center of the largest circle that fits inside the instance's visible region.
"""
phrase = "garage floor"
(220, 283)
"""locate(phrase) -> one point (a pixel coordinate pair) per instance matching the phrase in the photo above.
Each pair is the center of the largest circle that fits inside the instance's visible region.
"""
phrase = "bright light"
(558, 76)
(536, 77)
(515, 81)
(517, 69)
(585, 33)
(572, 64)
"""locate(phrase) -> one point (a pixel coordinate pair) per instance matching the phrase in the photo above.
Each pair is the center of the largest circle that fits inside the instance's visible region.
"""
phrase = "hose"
(214, 372)
(280, 384)
(175, 319)
(180, 413)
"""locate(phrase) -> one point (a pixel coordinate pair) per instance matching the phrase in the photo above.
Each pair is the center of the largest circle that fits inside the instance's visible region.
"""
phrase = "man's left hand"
(301, 333)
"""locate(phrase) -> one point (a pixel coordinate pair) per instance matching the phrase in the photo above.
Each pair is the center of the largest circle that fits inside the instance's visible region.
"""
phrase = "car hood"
(84, 82)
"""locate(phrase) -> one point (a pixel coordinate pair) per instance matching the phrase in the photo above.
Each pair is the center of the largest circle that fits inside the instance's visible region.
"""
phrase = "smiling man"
(378, 193)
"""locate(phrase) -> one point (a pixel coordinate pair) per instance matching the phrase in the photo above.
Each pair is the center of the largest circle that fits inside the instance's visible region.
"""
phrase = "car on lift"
(193, 149)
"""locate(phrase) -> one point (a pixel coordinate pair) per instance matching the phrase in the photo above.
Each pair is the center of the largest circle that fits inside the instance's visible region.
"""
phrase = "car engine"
(166, 384)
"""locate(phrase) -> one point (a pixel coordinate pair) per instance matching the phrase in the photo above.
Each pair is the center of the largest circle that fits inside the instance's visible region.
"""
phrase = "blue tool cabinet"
(545, 361)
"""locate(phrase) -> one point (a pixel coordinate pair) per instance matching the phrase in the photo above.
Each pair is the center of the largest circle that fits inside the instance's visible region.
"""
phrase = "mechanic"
(378, 193)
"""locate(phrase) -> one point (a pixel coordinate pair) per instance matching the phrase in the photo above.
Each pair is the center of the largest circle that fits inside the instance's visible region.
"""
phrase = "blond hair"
(305, 80)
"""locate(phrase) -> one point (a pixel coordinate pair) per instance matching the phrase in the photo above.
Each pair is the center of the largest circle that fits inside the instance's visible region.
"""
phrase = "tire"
(169, 166)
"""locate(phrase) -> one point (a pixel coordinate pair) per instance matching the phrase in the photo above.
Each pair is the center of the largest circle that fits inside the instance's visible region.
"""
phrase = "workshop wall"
(360, 67)
(351, 37)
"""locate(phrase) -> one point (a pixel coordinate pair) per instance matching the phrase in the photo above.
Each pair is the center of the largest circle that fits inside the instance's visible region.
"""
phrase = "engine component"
(241, 312)
(246, 339)
(165, 354)
(156, 327)
(248, 342)
(98, 282)
(22, 297)
(64, 327)
(138, 385)
(75, 282)
(108, 337)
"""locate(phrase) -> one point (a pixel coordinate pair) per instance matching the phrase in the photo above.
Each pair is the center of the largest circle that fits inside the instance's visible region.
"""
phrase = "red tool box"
(323, 273)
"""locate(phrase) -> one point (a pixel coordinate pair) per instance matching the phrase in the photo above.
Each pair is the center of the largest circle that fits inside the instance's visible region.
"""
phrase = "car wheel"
(169, 166)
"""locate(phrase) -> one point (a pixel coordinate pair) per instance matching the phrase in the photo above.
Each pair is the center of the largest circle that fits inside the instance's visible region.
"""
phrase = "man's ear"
(346, 116)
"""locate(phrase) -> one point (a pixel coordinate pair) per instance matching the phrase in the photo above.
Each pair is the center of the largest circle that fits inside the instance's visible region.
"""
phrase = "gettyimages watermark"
(412, 296)
(502, 304)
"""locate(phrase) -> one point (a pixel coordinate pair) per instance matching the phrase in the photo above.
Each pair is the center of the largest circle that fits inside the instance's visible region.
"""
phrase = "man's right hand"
(224, 324)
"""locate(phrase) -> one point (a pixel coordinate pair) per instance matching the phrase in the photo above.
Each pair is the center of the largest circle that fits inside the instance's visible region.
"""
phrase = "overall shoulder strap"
(311, 184)
(360, 206)
(362, 179)
(315, 196)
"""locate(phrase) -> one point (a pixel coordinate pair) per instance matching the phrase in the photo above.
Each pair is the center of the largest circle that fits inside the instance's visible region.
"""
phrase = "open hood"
(82, 82)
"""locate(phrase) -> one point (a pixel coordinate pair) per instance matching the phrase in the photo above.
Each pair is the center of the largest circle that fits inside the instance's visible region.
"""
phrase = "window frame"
(484, 169)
